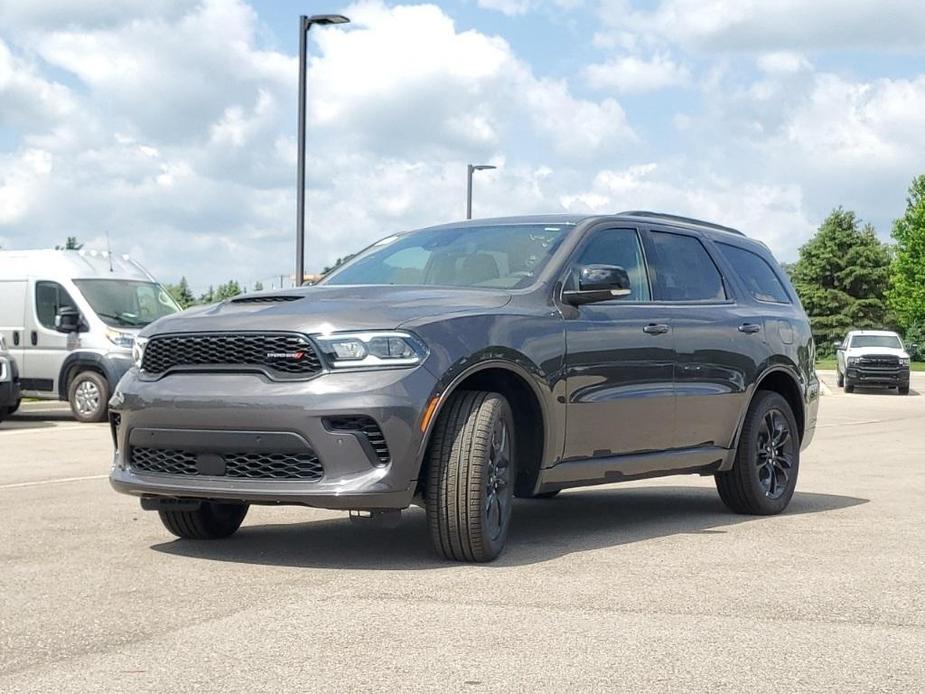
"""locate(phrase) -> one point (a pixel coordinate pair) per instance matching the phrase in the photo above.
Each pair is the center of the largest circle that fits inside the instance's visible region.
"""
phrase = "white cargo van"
(69, 319)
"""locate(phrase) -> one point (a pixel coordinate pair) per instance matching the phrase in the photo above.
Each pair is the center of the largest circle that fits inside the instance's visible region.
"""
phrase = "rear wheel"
(764, 475)
(471, 477)
(211, 521)
(88, 394)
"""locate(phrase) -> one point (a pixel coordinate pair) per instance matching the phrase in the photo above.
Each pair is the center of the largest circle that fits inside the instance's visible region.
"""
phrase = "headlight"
(853, 360)
(371, 349)
(119, 338)
(904, 361)
(138, 350)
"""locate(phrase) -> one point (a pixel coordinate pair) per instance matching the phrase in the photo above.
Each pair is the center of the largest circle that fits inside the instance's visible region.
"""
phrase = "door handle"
(749, 328)
(35, 338)
(656, 329)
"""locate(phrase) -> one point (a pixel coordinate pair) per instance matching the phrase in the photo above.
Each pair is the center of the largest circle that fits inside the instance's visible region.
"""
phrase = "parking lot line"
(59, 480)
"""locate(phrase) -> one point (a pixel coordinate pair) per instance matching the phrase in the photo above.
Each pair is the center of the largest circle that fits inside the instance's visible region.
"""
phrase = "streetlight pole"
(305, 23)
(472, 169)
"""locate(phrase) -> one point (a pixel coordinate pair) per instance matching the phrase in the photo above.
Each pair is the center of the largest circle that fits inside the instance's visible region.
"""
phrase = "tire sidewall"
(501, 410)
(101, 383)
(748, 453)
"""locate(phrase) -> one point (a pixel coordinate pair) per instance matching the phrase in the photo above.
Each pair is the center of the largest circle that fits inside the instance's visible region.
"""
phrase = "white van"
(69, 319)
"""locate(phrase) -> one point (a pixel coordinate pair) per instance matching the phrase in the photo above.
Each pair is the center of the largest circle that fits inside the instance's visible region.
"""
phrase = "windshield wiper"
(122, 320)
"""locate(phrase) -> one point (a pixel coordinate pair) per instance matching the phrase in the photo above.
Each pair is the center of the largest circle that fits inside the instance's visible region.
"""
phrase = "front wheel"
(471, 477)
(211, 521)
(764, 475)
(88, 394)
(839, 379)
(903, 390)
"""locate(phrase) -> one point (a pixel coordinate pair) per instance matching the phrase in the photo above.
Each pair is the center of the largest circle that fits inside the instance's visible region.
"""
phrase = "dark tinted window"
(618, 247)
(756, 274)
(684, 270)
(49, 297)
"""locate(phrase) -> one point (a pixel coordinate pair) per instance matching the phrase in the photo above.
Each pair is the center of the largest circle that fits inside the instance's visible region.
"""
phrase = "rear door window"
(684, 270)
(756, 274)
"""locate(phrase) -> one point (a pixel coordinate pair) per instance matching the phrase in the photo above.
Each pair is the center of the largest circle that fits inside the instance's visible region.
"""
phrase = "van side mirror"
(69, 320)
(599, 283)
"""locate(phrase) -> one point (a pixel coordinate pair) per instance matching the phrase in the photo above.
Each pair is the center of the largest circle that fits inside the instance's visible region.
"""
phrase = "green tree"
(907, 294)
(842, 277)
(70, 245)
(181, 293)
(227, 291)
(208, 297)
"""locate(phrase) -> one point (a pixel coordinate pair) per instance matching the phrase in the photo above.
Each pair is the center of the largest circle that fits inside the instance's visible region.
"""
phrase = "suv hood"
(865, 351)
(330, 309)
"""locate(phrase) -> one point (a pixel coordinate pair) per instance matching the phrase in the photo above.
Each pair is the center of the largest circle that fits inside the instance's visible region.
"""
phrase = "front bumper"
(216, 413)
(898, 376)
(9, 383)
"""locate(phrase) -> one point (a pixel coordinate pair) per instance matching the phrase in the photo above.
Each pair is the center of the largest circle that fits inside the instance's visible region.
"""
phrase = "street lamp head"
(326, 19)
(482, 167)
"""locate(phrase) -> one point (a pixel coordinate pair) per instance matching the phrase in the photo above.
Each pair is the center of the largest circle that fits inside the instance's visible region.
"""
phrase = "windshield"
(507, 256)
(127, 303)
(888, 341)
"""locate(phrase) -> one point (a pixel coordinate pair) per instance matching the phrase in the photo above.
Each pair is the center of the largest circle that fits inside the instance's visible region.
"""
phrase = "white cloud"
(634, 74)
(768, 25)
(783, 63)
(508, 7)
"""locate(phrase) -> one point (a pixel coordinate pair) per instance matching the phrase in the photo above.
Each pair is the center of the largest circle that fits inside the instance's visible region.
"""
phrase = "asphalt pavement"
(648, 586)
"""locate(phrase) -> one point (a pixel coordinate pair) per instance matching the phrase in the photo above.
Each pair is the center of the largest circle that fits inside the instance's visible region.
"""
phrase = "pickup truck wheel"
(470, 485)
(211, 521)
(88, 394)
(903, 390)
(764, 475)
(839, 379)
(849, 386)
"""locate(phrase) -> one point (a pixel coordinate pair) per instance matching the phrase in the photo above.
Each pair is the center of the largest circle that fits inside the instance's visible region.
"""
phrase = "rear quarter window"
(756, 274)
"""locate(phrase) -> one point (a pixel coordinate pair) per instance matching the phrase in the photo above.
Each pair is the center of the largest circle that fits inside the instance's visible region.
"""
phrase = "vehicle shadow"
(541, 530)
(36, 419)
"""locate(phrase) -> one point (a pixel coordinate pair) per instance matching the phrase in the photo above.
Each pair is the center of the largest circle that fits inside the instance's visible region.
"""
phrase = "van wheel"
(88, 394)
(764, 475)
(211, 521)
(470, 486)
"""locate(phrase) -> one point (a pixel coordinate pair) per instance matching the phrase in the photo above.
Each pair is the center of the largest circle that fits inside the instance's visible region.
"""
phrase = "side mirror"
(68, 320)
(837, 344)
(599, 283)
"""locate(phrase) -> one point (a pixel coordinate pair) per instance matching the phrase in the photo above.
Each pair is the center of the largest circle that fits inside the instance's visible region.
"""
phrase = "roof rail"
(678, 218)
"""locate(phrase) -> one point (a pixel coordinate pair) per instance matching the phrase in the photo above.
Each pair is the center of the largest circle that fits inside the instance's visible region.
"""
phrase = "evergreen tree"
(71, 244)
(181, 293)
(208, 297)
(258, 286)
(227, 291)
(842, 277)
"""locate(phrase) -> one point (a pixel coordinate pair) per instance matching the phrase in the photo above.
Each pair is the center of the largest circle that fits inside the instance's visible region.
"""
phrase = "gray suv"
(460, 366)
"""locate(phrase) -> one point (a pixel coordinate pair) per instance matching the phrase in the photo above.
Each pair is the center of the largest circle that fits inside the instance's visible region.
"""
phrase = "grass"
(829, 365)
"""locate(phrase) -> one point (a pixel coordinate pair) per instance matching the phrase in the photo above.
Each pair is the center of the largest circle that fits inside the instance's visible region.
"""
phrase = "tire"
(88, 394)
(839, 379)
(211, 521)
(759, 483)
(903, 390)
(470, 484)
(849, 386)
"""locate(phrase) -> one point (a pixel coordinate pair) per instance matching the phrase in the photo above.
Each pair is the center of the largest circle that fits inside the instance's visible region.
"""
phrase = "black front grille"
(266, 466)
(879, 361)
(279, 353)
(272, 299)
(365, 426)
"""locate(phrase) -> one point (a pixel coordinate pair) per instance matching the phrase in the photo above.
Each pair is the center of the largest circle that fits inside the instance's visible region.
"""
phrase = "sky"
(171, 124)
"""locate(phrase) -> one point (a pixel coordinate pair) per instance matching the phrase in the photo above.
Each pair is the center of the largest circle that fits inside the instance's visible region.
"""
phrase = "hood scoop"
(271, 299)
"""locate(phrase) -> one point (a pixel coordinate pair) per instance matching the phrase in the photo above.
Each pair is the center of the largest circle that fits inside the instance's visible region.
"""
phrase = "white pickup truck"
(872, 358)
